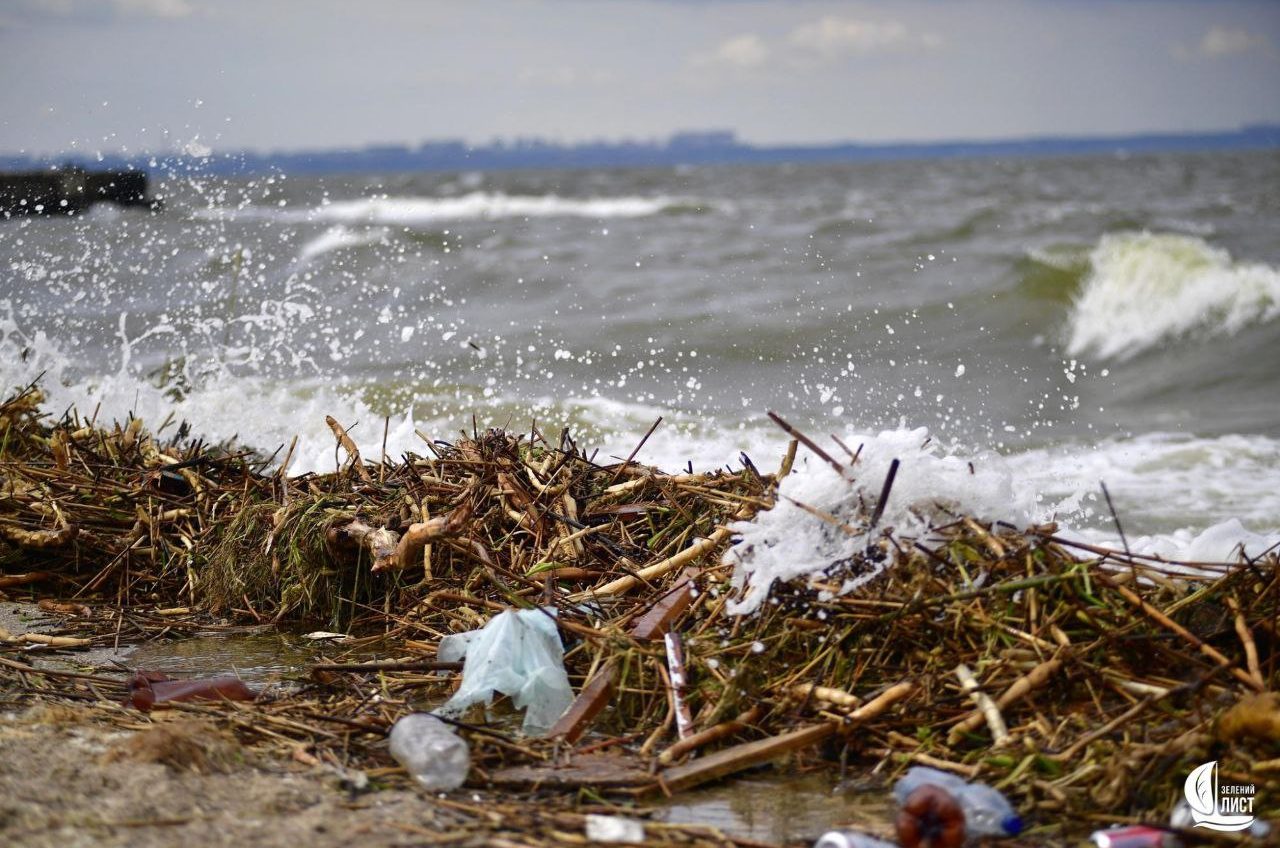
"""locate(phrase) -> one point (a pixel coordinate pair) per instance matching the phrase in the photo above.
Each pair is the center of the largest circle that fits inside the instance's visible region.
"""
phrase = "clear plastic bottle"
(986, 811)
(430, 750)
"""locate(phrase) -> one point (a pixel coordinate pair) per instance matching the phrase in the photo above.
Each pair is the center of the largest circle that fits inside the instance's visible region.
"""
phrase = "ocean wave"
(790, 541)
(1146, 289)
(339, 237)
(1053, 272)
(1157, 480)
(478, 205)
(1182, 498)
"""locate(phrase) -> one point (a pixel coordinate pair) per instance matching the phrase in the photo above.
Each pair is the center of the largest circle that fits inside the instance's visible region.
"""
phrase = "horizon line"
(706, 139)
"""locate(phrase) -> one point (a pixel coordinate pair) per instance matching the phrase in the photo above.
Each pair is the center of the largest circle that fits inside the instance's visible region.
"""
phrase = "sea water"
(1016, 332)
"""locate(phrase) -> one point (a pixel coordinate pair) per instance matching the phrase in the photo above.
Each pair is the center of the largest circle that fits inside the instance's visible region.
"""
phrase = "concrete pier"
(70, 190)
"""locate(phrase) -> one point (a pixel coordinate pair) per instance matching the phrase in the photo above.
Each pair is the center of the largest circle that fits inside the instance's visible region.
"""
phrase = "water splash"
(1148, 289)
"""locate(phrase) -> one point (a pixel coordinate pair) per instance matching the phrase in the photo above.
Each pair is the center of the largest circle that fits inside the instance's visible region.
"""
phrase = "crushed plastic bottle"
(1181, 818)
(430, 750)
(614, 829)
(1134, 836)
(517, 653)
(850, 839)
(986, 811)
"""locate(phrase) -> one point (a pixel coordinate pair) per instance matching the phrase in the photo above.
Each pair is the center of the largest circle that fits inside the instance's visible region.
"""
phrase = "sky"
(164, 75)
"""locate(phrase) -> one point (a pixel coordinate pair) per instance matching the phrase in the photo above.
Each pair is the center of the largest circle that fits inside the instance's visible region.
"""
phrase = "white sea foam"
(1146, 289)
(1193, 492)
(1158, 480)
(1180, 497)
(477, 205)
(338, 237)
(790, 542)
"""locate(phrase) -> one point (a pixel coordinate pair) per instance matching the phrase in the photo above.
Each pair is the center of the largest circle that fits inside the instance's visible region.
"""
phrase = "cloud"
(105, 9)
(741, 51)
(154, 8)
(823, 41)
(1221, 42)
(832, 38)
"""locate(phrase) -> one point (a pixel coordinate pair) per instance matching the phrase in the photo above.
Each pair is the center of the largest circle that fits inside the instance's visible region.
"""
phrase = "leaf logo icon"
(1200, 789)
(1203, 796)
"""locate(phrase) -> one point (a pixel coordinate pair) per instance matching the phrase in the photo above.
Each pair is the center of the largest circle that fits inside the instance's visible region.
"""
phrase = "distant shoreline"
(710, 148)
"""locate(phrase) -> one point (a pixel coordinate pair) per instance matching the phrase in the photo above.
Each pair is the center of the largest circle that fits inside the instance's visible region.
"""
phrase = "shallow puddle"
(256, 658)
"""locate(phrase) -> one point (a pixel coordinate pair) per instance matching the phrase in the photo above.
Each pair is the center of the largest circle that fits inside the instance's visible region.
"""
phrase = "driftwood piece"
(739, 757)
(53, 641)
(688, 556)
(711, 734)
(65, 608)
(990, 712)
(38, 539)
(416, 538)
(1029, 682)
(349, 446)
(601, 771)
(657, 620)
(829, 694)
(591, 700)
(380, 542)
(677, 679)
(8, 581)
(1173, 627)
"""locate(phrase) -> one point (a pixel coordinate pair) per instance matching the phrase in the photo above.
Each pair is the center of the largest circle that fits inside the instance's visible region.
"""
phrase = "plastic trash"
(1135, 836)
(150, 689)
(430, 750)
(986, 811)
(850, 839)
(1181, 817)
(614, 829)
(518, 653)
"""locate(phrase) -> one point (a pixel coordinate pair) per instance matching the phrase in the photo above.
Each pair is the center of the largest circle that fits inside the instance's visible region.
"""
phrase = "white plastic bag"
(518, 653)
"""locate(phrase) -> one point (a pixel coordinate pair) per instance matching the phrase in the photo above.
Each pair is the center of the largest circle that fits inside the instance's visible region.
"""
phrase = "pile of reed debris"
(1086, 683)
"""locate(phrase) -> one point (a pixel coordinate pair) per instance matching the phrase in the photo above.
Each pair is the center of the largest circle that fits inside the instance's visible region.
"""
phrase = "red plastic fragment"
(149, 689)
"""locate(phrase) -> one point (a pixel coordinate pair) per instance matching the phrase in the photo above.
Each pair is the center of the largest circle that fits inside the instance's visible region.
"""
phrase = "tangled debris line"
(1083, 682)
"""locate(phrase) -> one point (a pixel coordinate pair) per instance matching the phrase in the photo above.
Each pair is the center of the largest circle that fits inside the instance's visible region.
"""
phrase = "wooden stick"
(839, 697)
(381, 543)
(678, 678)
(8, 581)
(39, 539)
(388, 666)
(654, 623)
(349, 446)
(623, 467)
(711, 734)
(744, 756)
(1029, 682)
(593, 698)
(808, 442)
(995, 721)
(1173, 626)
(628, 582)
(1250, 647)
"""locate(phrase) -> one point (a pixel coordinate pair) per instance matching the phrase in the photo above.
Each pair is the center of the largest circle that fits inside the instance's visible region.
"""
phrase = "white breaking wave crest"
(339, 237)
(790, 541)
(478, 205)
(1146, 289)
(1218, 481)
(1173, 485)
